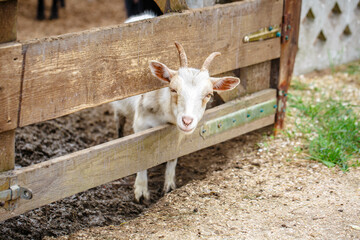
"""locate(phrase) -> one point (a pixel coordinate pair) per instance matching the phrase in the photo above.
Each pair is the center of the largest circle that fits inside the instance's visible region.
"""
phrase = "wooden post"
(8, 10)
(289, 46)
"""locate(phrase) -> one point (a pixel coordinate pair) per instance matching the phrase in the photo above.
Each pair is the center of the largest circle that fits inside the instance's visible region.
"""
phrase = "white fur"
(193, 90)
(142, 16)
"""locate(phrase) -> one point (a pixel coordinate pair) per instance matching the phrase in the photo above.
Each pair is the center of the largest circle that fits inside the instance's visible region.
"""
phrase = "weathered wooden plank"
(7, 151)
(10, 84)
(75, 71)
(79, 171)
(253, 78)
(289, 47)
(8, 12)
(10, 67)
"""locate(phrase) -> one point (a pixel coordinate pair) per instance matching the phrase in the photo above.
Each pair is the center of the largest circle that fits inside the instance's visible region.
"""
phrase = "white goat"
(182, 104)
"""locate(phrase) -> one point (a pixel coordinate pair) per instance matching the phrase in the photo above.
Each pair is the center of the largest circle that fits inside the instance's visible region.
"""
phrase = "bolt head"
(278, 34)
(270, 28)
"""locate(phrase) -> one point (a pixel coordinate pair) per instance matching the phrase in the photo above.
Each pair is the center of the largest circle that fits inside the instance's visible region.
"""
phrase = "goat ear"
(161, 71)
(224, 83)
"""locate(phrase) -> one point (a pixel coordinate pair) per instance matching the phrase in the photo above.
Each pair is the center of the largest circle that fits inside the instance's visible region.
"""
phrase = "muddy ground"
(252, 187)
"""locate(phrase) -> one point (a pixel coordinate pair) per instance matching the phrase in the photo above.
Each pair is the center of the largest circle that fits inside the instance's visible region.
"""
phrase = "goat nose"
(187, 120)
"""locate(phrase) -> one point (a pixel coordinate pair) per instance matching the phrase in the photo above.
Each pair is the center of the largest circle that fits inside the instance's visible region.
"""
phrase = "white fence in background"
(329, 34)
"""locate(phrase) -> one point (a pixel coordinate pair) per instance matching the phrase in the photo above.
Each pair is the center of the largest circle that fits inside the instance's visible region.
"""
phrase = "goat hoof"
(142, 197)
(169, 187)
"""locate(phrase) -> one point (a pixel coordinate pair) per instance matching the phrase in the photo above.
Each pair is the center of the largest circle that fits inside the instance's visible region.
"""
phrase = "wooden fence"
(49, 78)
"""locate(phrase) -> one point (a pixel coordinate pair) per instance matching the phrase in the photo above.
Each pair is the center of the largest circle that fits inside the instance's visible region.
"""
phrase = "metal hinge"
(13, 193)
(263, 34)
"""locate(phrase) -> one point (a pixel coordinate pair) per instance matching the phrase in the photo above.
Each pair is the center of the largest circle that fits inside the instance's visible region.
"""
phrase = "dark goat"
(54, 9)
(135, 7)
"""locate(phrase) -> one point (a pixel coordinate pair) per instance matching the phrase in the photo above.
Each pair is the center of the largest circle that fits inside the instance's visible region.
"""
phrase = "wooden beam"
(64, 176)
(289, 47)
(7, 151)
(74, 71)
(9, 87)
(11, 61)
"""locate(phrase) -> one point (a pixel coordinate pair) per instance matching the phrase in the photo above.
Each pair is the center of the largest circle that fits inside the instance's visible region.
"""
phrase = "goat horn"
(182, 55)
(208, 60)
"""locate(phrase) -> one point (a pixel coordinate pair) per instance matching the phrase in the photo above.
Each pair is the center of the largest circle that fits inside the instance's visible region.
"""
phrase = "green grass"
(331, 129)
(353, 69)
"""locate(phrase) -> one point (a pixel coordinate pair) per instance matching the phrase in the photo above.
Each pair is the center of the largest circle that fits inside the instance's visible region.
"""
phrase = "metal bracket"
(263, 34)
(238, 118)
(13, 193)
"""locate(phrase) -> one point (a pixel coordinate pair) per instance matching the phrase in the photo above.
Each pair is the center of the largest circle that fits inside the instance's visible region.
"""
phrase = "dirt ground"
(252, 187)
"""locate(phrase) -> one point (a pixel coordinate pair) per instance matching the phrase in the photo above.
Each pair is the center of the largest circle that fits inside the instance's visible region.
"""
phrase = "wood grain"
(64, 176)
(7, 151)
(289, 47)
(252, 79)
(10, 84)
(75, 71)
(8, 13)
(10, 78)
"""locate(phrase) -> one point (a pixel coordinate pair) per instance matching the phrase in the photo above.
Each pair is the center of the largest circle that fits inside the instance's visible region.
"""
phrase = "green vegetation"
(330, 128)
(353, 69)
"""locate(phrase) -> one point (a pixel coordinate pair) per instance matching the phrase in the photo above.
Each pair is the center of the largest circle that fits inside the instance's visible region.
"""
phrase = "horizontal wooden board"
(74, 71)
(82, 170)
(10, 85)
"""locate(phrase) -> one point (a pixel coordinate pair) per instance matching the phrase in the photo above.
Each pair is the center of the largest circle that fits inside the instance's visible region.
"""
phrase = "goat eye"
(172, 90)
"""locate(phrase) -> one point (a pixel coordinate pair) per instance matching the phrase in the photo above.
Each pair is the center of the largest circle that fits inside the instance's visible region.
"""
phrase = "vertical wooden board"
(10, 83)
(252, 79)
(75, 71)
(7, 151)
(8, 12)
(289, 47)
(256, 77)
